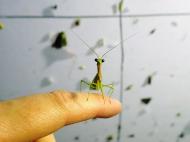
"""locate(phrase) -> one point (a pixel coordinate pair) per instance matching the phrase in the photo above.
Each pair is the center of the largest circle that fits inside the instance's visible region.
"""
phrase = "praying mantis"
(96, 83)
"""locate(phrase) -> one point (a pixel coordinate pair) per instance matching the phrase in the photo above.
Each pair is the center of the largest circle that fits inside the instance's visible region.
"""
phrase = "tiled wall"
(158, 50)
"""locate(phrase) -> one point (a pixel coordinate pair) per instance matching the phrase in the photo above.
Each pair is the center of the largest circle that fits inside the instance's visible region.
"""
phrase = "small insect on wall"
(148, 73)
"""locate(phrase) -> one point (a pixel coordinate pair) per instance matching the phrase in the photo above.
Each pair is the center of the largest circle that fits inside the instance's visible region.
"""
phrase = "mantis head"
(99, 60)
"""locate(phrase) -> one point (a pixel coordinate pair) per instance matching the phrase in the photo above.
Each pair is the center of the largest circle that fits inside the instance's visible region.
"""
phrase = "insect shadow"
(52, 55)
(48, 11)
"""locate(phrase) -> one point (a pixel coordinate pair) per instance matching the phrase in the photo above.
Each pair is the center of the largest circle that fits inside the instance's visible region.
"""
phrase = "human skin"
(35, 118)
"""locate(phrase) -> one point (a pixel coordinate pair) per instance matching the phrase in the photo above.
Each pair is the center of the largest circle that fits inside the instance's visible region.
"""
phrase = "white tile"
(64, 7)
(87, 7)
(165, 52)
(157, 6)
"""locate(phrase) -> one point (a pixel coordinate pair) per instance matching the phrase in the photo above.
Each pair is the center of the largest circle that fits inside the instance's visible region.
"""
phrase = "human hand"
(36, 117)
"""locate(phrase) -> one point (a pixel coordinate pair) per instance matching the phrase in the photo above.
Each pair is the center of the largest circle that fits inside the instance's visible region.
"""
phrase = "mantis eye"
(96, 60)
(103, 60)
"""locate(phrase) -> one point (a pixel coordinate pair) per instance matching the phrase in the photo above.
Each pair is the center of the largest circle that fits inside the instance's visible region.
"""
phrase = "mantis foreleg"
(89, 84)
(83, 82)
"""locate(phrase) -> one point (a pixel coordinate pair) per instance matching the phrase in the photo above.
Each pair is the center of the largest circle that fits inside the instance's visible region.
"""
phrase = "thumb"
(32, 117)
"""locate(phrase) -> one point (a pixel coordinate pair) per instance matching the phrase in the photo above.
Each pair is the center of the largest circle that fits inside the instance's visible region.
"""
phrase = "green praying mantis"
(96, 83)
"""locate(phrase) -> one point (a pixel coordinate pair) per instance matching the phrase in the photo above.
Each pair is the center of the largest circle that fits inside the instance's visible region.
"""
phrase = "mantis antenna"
(85, 43)
(118, 44)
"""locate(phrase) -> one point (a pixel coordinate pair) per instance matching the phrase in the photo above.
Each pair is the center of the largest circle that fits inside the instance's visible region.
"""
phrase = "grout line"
(57, 17)
(95, 16)
(156, 15)
(121, 77)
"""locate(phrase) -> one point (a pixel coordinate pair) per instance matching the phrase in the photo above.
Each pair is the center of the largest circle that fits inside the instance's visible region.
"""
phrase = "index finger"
(32, 117)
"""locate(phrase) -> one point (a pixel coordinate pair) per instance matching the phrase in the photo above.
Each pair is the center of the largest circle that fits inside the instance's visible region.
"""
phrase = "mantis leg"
(111, 89)
(83, 82)
(89, 84)
(102, 91)
(86, 83)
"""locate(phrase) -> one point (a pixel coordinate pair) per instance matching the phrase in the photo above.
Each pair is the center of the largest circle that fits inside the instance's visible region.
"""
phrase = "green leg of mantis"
(83, 82)
(100, 86)
(111, 89)
(88, 84)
